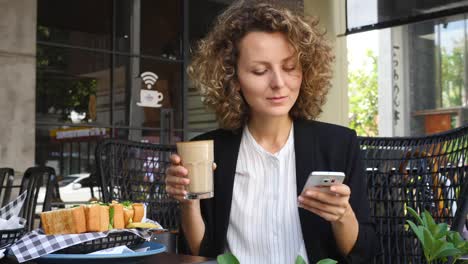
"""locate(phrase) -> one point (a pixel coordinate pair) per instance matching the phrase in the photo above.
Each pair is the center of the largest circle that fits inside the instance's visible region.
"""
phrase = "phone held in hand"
(324, 179)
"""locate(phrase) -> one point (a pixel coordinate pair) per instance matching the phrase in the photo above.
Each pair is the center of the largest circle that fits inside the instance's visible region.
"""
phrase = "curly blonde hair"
(214, 62)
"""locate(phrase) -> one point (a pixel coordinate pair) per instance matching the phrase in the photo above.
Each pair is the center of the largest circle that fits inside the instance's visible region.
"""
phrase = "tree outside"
(363, 97)
(452, 68)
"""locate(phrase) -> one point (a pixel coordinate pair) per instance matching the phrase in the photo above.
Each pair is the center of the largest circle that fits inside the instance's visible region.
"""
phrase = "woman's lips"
(277, 99)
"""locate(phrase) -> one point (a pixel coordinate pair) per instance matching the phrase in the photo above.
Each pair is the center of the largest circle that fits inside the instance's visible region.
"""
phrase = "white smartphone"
(324, 178)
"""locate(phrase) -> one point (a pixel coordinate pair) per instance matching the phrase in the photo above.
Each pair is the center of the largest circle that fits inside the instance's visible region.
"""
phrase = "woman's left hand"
(330, 203)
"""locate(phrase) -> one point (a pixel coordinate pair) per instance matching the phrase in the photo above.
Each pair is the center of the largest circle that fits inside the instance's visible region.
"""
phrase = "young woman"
(265, 71)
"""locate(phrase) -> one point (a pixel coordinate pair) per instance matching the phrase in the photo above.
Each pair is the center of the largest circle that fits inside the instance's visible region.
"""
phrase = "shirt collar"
(283, 151)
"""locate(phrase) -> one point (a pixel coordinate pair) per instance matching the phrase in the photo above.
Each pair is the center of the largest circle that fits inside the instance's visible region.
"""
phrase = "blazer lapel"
(304, 146)
(227, 151)
(306, 149)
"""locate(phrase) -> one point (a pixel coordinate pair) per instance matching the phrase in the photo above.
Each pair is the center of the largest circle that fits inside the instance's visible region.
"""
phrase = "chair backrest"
(31, 182)
(460, 222)
(136, 171)
(425, 173)
(7, 176)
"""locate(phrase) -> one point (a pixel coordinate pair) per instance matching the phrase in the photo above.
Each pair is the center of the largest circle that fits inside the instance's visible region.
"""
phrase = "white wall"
(333, 19)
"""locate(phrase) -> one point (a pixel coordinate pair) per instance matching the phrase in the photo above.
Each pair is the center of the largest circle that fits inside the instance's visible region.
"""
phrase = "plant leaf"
(457, 240)
(227, 258)
(429, 243)
(430, 223)
(439, 231)
(327, 261)
(299, 260)
(415, 215)
(424, 220)
(444, 249)
(417, 230)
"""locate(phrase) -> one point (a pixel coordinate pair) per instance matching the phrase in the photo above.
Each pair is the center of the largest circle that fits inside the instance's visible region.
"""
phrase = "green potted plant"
(437, 240)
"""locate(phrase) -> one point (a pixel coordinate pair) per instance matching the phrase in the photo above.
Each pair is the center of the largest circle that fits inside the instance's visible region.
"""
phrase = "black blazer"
(318, 147)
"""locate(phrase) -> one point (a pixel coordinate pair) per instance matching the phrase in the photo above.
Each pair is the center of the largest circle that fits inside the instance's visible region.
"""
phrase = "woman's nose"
(277, 79)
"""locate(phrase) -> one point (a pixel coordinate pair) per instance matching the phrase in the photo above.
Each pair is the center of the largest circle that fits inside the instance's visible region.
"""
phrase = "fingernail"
(333, 188)
(300, 199)
(310, 193)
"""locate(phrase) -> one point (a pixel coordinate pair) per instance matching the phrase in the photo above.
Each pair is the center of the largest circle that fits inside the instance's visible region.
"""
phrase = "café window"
(89, 63)
(437, 81)
(89, 66)
(425, 84)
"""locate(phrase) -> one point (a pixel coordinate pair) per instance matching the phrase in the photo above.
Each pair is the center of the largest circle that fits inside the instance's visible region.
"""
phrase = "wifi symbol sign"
(149, 78)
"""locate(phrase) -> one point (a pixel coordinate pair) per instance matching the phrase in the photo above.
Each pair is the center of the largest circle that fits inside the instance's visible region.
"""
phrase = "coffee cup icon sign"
(150, 98)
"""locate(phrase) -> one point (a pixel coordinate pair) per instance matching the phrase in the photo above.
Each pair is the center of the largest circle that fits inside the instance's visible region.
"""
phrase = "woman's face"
(269, 74)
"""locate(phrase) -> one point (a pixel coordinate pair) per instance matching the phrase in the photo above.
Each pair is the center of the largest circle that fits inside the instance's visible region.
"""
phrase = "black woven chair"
(136, 171)
(31, 182)
(420, 172)
(7, 176)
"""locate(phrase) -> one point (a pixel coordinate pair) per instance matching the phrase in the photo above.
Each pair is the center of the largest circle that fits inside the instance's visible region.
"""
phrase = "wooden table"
(163, 258)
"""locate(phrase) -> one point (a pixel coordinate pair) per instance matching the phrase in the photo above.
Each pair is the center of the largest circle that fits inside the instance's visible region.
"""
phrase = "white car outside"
(73, 188)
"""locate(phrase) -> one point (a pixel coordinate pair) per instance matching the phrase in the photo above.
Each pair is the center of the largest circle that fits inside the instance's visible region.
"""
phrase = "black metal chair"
(31, 182)
(94, 181)
(136, 171)
(7, 176)
(420, 172)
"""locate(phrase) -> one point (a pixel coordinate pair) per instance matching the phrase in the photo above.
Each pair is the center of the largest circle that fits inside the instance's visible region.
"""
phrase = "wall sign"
(78, 133)
(148, 96)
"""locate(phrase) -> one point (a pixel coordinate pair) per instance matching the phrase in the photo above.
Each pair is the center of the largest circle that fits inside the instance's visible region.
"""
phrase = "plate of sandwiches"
(135, 257)
(98, 217)
(94, 217)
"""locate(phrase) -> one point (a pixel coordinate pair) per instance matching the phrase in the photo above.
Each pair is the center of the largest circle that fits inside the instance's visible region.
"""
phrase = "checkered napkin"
(36, 243)
(13, 209)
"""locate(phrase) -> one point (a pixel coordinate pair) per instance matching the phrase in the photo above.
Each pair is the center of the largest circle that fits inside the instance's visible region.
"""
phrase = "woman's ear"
(236, 85)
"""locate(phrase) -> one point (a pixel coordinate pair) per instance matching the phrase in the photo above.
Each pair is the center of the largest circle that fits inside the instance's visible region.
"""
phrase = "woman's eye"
(259, 72)
(290, 68)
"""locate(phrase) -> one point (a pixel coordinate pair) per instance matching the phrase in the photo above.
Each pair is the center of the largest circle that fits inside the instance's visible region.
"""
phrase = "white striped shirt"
(264, 224)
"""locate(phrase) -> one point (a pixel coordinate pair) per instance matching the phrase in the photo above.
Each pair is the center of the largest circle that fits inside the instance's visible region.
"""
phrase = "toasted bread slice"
(138, 213)
(97, 218)
(64, 221)
(128, 215)
(118, 218)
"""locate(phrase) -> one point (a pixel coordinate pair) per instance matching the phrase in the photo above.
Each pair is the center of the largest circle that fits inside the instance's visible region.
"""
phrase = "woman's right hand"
(176, 179)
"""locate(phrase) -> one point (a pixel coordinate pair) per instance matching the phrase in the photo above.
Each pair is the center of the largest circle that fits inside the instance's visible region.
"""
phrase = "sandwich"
(97, 217)
(133, 212)
(64, 221)
(116, 216)
(138, 212)
(128, 212)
